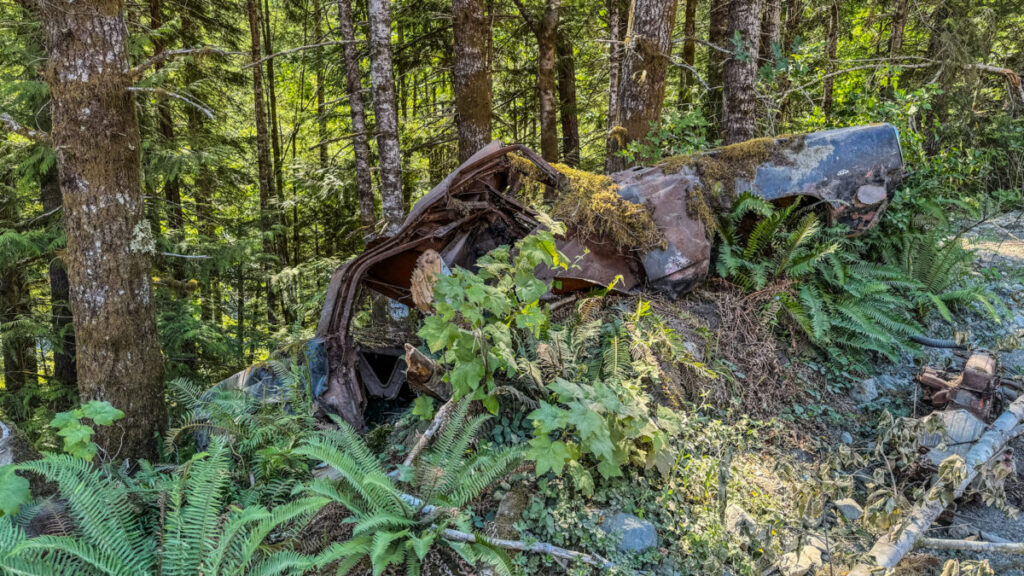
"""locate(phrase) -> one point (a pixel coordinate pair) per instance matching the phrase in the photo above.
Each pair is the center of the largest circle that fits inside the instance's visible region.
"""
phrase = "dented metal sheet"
(852, 171)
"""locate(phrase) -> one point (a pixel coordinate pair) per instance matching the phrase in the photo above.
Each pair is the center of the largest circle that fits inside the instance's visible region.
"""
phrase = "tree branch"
(186, 99)
(9, 124)
(293, 50)
(972, 545)
(166, 55)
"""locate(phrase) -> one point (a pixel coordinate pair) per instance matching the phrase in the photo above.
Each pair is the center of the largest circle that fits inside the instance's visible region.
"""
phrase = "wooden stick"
(887, 552)
(430, 432)
(537, 548)
(972, 545)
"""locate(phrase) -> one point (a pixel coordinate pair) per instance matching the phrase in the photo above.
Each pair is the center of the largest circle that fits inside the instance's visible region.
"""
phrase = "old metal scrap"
(849, 173)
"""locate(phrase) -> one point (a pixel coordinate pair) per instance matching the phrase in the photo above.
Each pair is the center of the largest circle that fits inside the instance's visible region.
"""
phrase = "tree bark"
(165, 125)
(833, 44)
(648, 51)
(899, 24)
(689, 52)
(567, 107)
(794, 19)
(109, 245)
(277, 193)
(65, 370)
(718, 31)
(263, 167)
(546, 31)
(321, 104)
(771, 27)
(738, 95)
(18, 350)
(360, 141)
(471, 76)
(614, 68)
(383, 85)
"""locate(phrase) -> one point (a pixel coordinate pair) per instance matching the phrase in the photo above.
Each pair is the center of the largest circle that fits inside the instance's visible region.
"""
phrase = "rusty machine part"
(851, 172)
(974, 389)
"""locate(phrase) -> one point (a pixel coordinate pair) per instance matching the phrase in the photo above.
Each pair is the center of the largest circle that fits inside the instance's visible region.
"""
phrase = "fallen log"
(535, 548)
(972, 545)
(887, 552)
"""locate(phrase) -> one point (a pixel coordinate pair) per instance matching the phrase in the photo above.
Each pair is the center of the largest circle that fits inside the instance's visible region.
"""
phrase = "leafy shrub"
(397, 521)
(476, 313)
(78, 436)
(597, 407)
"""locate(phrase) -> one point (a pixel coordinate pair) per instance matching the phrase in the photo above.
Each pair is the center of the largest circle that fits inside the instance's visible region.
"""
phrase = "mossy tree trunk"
(771, 27)
(614, 68)
(567, 107)
(65, 370)
(109, 244)
(471, 75)
(357, 114)
(718, 29)
(738, 94)
(648, 52)
(686, 76)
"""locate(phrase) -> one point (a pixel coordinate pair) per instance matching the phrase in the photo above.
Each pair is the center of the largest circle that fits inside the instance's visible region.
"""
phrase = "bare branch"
(293, 50)
(166, 55)
(186, 99)
(9, 124)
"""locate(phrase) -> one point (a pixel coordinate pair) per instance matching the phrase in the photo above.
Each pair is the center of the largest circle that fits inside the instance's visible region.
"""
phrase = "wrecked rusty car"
(665, 245)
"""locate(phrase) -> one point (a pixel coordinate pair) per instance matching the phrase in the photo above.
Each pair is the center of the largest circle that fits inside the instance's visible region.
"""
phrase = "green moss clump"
(590, 203)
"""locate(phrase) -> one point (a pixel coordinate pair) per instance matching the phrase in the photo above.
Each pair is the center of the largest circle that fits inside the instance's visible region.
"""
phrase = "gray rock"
(1013, 362)
(793, 564)
(738, 522)
(638, 535)
(695, 350)
(846, 438)
(849, 508)
(865, 391)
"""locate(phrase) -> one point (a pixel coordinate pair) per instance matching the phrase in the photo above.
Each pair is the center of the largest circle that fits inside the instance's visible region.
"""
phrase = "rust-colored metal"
(853, 171)
(974, 389)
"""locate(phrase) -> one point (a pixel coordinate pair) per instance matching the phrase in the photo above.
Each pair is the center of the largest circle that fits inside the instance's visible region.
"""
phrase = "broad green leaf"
(548, 455)
(14, 491)
(423, 407)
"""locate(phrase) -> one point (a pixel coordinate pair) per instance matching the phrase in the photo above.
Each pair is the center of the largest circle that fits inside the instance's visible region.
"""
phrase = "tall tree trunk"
(739, 96)
(648, 51)
(263, 167)
(65, 370)
(833, 44)
(321, 103)
(546, 30)
(280, 236)
(718, 31)
(687, 79)
(771, 28)
(19, 349)
(382, 82)
(471, 75)
(937, 115)
(899, 24)
(109, 247)
(165, 125)
(567, 107)
(360, 141)
(794, 19)
(614, 68)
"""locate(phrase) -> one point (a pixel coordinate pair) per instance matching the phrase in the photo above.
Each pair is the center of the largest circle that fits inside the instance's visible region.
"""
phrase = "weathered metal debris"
(849, 173)
(977, 389)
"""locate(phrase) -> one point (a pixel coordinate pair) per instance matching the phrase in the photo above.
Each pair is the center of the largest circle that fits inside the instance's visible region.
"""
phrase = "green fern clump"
(158, 523)
(398, 518)
(819, 284)
(941, 268)
(262, 432)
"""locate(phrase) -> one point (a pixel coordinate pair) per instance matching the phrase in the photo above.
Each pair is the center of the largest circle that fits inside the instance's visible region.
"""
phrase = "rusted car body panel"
(853, 171)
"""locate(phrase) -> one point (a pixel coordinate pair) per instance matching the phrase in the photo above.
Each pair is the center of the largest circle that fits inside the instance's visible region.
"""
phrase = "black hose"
(935, 342)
